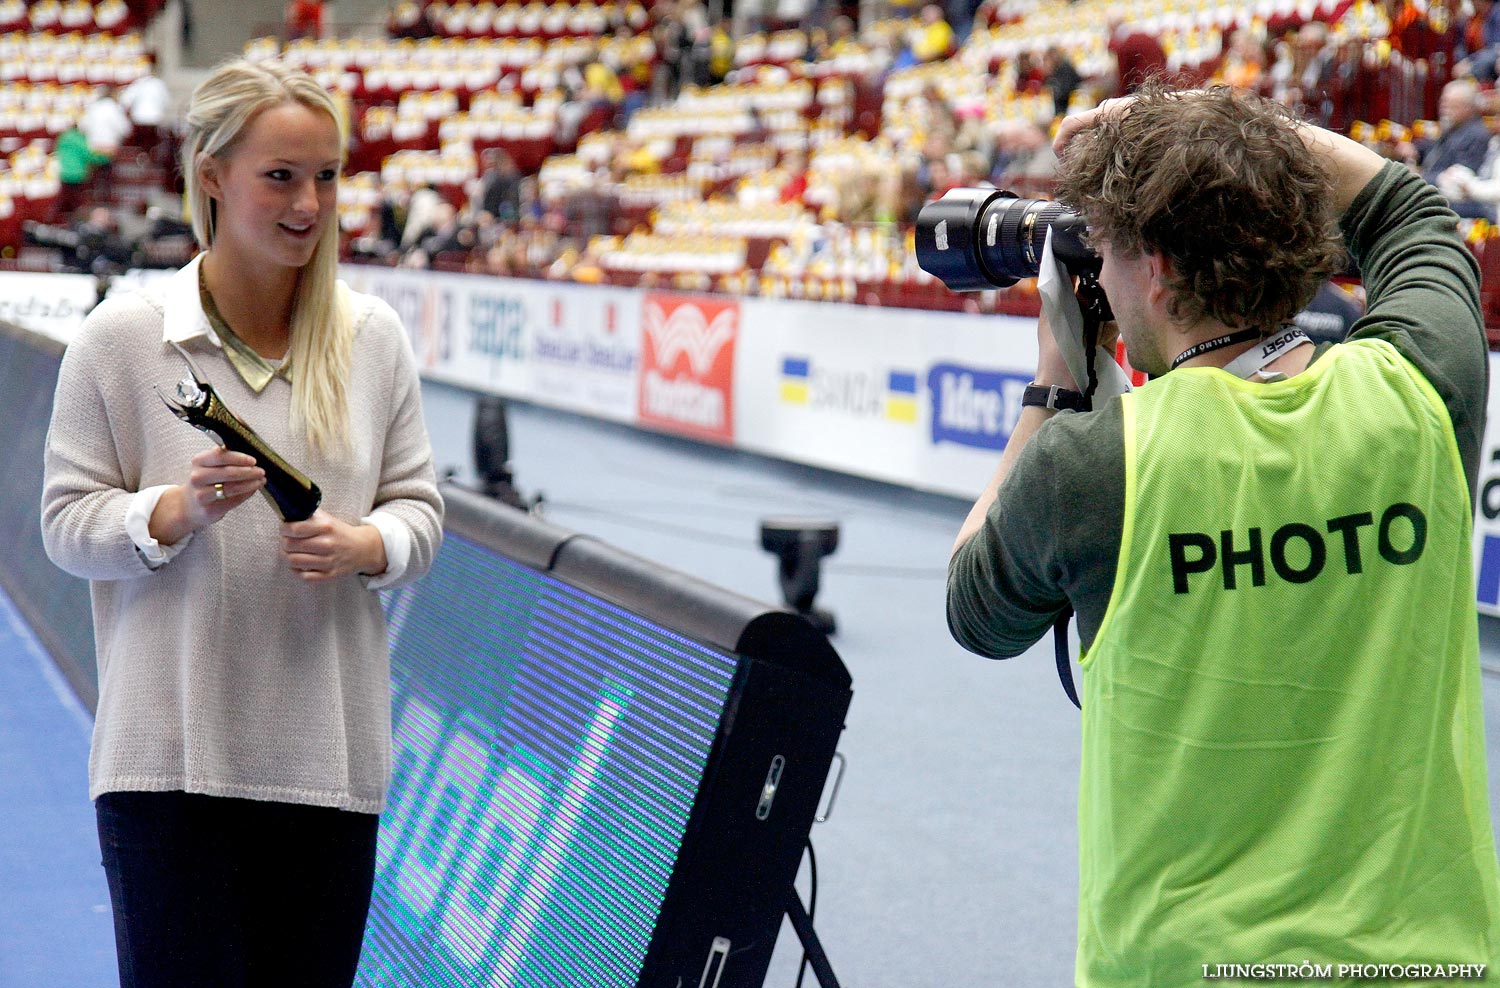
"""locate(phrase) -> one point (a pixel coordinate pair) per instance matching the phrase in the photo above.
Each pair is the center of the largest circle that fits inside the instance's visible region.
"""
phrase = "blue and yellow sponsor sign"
(901, 396)
(794, 372)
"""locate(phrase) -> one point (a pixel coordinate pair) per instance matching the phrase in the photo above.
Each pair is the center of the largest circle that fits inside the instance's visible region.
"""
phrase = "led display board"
(55, 605)
(581, 748)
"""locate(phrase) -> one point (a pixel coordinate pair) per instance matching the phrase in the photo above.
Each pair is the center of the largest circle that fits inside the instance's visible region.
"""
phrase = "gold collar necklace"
(254, 369)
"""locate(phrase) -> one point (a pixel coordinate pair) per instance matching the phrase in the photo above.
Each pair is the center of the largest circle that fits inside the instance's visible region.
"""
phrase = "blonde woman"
(241, 747)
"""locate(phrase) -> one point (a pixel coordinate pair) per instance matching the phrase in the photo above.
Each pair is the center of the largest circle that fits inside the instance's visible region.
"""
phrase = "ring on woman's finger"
(218, 492)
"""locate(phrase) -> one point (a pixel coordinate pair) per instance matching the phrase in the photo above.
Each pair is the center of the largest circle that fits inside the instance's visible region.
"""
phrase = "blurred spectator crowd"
(783, 152)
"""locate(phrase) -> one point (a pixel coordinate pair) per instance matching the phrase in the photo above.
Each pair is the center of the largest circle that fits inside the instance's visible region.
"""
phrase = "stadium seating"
(700, 202)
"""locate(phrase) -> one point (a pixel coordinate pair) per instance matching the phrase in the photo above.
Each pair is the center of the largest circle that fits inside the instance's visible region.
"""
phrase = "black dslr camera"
(974, 239)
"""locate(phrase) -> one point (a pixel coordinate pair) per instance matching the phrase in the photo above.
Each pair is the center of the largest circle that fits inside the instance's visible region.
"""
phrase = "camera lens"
(974, 239)
(1017, 228)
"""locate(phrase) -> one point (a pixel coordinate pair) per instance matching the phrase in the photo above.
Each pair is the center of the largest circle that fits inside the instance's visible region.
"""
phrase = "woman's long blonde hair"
(322, 331)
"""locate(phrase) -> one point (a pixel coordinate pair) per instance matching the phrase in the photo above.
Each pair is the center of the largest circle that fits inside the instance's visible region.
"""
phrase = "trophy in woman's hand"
(294, 496)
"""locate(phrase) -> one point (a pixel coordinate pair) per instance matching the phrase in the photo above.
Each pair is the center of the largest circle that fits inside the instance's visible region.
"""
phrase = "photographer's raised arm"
(1421, 284)
(1052, 369)
(1421, 280)
(1058, 484)
(1047, 530)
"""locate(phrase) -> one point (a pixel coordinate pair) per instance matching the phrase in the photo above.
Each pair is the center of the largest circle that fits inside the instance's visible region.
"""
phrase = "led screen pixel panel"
(547, 751)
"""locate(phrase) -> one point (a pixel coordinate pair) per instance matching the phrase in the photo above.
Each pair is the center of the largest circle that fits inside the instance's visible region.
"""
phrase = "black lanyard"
(1252, 360)
(1217, 343)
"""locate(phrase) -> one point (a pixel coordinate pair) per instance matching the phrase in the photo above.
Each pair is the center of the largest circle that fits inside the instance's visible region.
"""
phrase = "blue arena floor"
(55, 926)
(951, 855)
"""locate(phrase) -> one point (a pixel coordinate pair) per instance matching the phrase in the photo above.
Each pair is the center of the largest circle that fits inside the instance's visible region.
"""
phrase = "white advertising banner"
(569, 346)
(586, 352)
(924, 399)
(53, 304)
(136, 279)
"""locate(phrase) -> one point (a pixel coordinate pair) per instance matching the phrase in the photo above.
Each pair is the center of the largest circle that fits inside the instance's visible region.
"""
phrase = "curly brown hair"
(1219, 183)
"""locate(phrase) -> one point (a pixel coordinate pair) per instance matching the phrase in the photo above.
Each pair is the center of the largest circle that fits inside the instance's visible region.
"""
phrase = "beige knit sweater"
(221, 672)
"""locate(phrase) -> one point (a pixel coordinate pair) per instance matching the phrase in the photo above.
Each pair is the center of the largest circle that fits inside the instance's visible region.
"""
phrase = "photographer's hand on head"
(1073, 125)
(1351, 164)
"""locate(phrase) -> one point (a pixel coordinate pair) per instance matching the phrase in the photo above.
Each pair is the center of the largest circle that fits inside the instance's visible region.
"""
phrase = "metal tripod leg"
(802, 923)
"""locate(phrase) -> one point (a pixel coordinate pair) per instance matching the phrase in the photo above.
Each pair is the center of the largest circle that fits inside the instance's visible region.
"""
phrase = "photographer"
(1268, 549)
(90, 245)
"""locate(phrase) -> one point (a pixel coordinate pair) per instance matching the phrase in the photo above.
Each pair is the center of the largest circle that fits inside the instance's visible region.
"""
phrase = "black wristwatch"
(1053, 397)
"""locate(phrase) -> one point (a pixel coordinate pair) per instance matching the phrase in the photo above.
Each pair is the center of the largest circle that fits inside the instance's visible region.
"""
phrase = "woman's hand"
(219, 481)
(323, 548)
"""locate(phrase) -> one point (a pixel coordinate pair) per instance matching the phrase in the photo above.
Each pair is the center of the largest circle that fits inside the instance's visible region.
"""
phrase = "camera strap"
(1095, 308)
(1064, 661)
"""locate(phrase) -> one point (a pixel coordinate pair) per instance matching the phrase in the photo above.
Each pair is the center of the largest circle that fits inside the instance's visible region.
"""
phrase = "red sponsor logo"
(687, 365)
